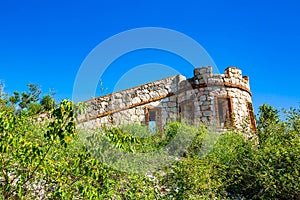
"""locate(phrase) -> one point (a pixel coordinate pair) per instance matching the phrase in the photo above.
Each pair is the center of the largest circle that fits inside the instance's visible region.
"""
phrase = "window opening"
(251, 116)
(153, 119)
(187, 111)
(224, 112)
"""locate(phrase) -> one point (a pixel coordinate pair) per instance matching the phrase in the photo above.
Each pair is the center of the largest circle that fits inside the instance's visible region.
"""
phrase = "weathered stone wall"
(129, 105)
(174, 98)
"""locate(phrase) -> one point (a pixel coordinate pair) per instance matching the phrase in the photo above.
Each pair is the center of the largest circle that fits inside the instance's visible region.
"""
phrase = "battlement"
(232, 77)
(202, 74)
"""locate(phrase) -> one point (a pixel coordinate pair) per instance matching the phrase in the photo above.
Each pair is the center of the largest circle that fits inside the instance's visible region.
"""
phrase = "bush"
(52, 160)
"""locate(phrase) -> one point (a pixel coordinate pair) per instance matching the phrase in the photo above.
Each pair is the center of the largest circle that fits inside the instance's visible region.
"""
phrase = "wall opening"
(224, 112)
(186, 111)
(251, 116)
(153, 119)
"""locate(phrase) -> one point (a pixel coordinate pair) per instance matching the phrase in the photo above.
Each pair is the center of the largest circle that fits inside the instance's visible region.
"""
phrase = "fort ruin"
(223, 100)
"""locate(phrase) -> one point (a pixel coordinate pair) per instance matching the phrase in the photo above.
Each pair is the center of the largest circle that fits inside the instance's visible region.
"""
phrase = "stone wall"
(129, 105)
(202, 98)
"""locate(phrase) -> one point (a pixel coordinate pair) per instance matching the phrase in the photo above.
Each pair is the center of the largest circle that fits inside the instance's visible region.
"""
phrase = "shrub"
(48, 160)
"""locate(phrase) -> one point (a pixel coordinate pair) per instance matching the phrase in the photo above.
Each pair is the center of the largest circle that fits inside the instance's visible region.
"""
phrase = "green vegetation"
(29, 101)
(50, 159)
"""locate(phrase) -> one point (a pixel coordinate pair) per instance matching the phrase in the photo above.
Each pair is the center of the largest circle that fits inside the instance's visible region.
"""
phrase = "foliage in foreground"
(47, 160)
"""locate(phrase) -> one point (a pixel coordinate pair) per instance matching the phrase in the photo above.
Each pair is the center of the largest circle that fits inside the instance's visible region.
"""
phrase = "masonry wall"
(129, 105)
(176, 98)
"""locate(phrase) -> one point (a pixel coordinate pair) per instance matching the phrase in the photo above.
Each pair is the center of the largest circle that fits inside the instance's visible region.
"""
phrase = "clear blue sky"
(45, 42)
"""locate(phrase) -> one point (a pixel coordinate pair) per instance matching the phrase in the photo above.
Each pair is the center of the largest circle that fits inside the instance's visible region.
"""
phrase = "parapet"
(233, 72)
(232, 77)
(202, 74)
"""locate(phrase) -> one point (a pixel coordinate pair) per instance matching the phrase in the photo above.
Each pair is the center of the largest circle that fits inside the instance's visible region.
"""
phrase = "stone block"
(153, 94)
(207, 113)
(171, 104)
(203, 98)
(136, 100)
(205, 107)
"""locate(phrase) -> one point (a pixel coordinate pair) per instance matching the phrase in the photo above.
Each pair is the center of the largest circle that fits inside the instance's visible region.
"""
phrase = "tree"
(3, 96)
(34, 92)
(268, 116)
(32, 96)
(15, 98)
(25, 100)
(34, 108)
(47, 103)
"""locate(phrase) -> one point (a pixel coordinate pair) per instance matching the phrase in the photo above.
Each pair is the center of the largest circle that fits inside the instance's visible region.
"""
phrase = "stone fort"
(223, 100)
